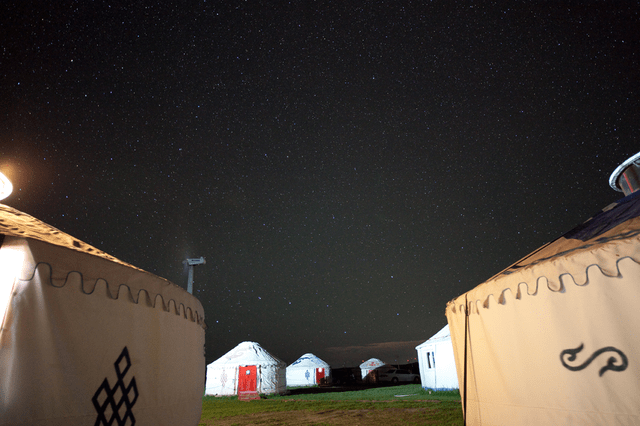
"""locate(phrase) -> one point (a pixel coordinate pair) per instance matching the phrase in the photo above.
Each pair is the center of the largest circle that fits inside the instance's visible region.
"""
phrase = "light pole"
(191, 263)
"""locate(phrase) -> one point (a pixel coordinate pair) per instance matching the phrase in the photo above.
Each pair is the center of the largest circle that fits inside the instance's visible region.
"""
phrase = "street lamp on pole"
(191, 263)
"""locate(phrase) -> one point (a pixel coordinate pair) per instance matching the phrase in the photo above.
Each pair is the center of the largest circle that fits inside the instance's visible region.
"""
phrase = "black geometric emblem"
(114, 404)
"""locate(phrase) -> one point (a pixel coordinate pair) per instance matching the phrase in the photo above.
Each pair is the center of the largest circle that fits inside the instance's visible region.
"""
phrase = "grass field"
(388, 406)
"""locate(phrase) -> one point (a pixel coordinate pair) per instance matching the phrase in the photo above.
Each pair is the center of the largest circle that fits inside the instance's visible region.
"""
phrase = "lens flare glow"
(5, 187)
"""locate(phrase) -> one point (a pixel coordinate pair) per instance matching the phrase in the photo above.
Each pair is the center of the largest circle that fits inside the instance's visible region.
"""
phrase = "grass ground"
(388, 406)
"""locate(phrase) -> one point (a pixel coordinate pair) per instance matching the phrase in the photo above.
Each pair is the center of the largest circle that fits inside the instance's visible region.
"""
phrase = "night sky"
(346, 168)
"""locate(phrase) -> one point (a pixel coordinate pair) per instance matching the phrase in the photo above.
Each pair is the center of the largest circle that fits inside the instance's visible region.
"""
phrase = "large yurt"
(88, 339)
(308, 370)
(553, 339)
(246, 368)
(437, 363)
(368, 370)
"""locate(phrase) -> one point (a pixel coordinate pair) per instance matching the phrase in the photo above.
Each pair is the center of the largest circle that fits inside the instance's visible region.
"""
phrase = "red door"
(247, 378)
(319, 374)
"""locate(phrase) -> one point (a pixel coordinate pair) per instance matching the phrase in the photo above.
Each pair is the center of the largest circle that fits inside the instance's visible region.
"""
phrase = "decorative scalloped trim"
(123, 290)
(514, 269)
(555, 287)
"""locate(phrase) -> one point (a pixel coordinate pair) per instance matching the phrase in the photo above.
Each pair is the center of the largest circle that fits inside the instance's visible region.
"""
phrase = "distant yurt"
(437, 363)
(88, 339)
(308, 370)
(553, 339)
(246, 368)
(367, 370)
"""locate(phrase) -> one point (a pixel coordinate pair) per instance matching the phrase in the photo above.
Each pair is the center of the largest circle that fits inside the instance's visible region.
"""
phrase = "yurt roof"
(600, 242)
(248, 353)
(372, 363)
(17, 224)
(441, 335)
(308, 360)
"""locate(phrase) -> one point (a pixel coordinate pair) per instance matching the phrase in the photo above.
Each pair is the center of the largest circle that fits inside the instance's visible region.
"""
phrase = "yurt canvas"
(308, 370)
(246, 368)
(437, 363)
(553, 339)
(367, 369)
(88, 339)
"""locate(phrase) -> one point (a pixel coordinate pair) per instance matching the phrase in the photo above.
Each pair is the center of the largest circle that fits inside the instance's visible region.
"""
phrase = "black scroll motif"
(109, 410)
(611, 362)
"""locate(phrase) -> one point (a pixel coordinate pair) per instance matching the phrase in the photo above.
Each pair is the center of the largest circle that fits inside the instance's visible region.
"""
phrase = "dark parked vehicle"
(395, 375)
(345, 376)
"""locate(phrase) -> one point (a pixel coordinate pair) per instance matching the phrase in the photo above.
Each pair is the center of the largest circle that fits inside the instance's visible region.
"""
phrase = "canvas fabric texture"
(84, 336)
(553, 338)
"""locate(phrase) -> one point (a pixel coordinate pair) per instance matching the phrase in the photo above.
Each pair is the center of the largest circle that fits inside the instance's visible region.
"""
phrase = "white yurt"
(367, 370)
(437, 363)
(308, 370)
(553, 339)
(247, 368)
(88, 339)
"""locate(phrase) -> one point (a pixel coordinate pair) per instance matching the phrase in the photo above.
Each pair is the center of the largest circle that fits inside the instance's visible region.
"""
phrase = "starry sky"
(345, 167)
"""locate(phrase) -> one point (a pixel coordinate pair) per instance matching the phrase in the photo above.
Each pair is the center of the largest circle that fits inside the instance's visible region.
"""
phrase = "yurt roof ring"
(613, 179)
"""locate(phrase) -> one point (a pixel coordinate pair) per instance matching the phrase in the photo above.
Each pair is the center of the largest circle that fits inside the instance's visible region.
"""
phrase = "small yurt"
(308, 370)
(437, 363)
(246, 368)
(553, 339)
(88, 339)
(367, 370)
